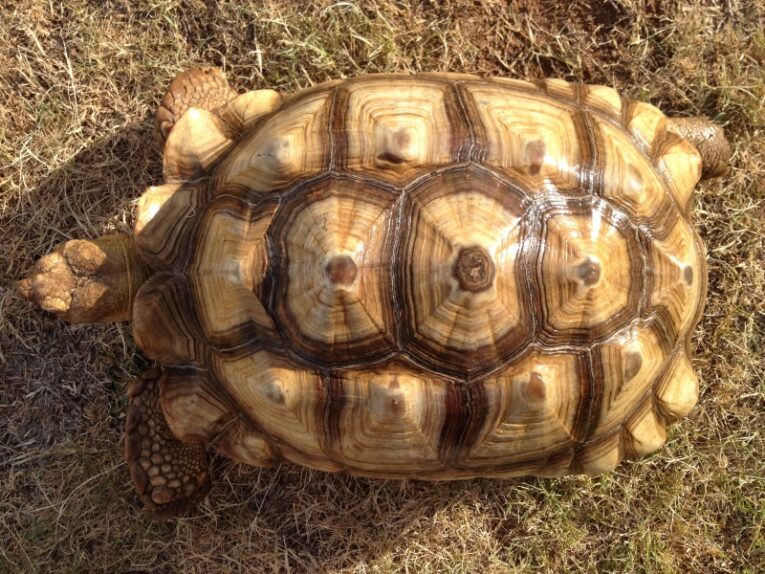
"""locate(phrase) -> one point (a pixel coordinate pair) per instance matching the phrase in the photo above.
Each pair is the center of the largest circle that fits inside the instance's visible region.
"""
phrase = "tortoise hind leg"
(709, 138)
(170, 476)
(201, 87)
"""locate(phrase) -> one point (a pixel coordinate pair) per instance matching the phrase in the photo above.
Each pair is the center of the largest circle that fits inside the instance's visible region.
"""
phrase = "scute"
(165, 322)
(626, 367)
(604, 99)
(332, 293)
(533, 410)
(461, 272)
(526, 135)
(281, 399)
(678, 390)
(645, 431)
(194, 408)
(229, 266)
(196, 142)
(390, 420)
(629, 178)
(678, 278)
(646, 122)
(245, 444)
(589, 272)
(682, 163)
(398, 131)
(288, 146)
(165, 221)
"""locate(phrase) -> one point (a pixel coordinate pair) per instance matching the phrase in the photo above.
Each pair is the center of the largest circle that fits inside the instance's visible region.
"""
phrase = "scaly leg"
(204, 88)
(709, 139)
(171, 476)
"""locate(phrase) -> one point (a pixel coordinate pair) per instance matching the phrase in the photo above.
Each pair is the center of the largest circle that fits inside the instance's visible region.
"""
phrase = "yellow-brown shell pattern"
(434, 276)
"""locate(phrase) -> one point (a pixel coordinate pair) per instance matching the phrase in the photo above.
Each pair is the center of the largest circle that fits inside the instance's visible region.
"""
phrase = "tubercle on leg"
(200, 87)
(170, 476)
(709, 139)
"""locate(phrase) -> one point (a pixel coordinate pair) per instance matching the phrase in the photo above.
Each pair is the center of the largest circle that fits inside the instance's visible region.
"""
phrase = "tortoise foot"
(170, 476)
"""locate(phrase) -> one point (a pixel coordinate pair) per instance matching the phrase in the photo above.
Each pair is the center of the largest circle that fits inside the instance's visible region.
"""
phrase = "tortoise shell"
(434, 276)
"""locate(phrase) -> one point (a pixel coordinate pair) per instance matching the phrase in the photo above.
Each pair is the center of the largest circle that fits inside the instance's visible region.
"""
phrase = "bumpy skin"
(86, 281)
(709, 139)
(204, 88)
(170, 476)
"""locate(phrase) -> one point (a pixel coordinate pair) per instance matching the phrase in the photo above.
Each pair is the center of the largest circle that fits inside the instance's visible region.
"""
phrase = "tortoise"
(432, 276)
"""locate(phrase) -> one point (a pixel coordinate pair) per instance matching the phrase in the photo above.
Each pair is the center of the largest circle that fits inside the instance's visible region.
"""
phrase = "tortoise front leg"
(170, 476)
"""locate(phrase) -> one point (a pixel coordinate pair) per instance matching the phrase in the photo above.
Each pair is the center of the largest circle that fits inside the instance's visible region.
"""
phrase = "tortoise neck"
(136, 273)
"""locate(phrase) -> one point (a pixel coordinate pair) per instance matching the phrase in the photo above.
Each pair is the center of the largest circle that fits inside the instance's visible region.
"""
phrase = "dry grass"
(78, 83)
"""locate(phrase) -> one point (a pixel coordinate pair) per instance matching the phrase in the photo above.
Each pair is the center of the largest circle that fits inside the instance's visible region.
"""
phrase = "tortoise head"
(86, 281)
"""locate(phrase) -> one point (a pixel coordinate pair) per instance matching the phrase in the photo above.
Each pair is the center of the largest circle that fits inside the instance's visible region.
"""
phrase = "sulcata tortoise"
(433, 276)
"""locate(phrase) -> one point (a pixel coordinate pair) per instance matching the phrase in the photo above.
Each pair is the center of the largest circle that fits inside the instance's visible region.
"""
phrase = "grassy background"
(79, 82)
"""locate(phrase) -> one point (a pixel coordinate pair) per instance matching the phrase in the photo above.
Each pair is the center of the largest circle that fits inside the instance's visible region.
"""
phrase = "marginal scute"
(603, 99)
(645, 430)
(533, 407)
(194, 411)
(242, 443)
(164, 322)
(678, 276)
(287, 146)
(165, 220)
(243, 111)
(556, 466)
(514, 84)
(678, 389)
(517, 126)
(390, 421)
(194, 144)
(646, 122)
(453, 76)
(629, 179)
(282, 398)
(680, 160)
(230, 264)
(602, 454)
(460, 272)
(558, 88)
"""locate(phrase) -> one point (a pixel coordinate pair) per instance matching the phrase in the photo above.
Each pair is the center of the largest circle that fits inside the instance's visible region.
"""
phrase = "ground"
(79, 82)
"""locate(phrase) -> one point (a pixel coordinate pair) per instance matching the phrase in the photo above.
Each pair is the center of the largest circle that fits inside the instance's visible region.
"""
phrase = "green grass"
(79, 82)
